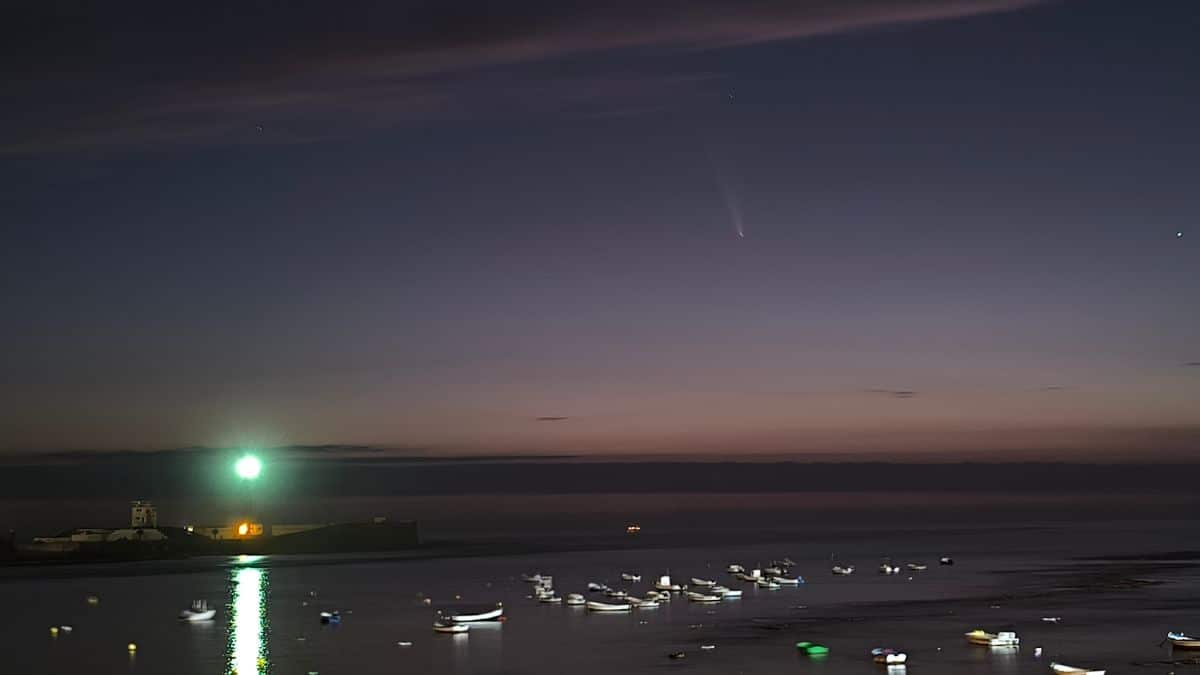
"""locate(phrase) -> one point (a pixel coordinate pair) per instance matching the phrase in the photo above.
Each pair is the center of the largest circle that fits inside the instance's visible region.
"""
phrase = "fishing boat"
(1072, 670)
(1181, 641)
(626, 576)
(664, 584)
(734, 568)
(608, 607)
(702, 597)
(788, 581)
(705, 583)
(490, 615)
(985, 639)
(889, 657)
(576, 599)
(199, 611)
(843, 571)
(444, 627)
(917, 567)
(886, 568)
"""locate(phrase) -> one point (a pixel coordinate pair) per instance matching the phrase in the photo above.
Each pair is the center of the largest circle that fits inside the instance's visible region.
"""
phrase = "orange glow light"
(243, 529)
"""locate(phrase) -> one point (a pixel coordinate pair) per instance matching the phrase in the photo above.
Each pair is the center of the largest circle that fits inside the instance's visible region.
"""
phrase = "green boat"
(812, 649)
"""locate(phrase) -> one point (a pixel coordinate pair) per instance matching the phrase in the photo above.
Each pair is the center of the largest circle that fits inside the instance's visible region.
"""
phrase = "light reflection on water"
(247, 650)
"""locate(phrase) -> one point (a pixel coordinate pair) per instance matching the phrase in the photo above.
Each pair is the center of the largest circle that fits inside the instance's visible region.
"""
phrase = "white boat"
(842, 571)
(767, 584)
(704, 583)
(772, 571)
(1181, 641)
(889, 657)
(550, 599)
(608, 607)
(917, 567)
(885, 568)
(442, 627)
(576, 599)
(702, 597)
(595, 587)
(626, 576)
(734, 568)
(199, 611)
(664, 584)
(490, 615)
(618, 595)
(1072, 670)
(725, 593)
(986, 639)
(945, 560)
(787, 581)
(642, 603)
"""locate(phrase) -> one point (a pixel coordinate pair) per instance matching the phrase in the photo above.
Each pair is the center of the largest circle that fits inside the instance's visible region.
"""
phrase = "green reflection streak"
(247, 648)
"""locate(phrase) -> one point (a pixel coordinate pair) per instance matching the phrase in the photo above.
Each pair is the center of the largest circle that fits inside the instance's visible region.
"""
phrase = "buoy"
(132, 646)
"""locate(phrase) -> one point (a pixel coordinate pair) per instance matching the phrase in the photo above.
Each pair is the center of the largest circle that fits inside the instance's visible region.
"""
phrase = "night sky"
(858, 227)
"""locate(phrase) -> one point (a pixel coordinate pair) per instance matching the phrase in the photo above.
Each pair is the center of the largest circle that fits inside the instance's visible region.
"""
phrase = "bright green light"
(248, 467)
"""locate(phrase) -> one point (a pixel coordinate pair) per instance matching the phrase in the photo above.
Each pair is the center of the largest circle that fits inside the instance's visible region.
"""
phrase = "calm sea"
(1016, 562)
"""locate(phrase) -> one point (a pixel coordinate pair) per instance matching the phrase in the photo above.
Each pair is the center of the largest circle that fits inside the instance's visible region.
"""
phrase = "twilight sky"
(514, 227)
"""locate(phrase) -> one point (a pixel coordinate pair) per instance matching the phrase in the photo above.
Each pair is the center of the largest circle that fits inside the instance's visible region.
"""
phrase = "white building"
(143, 514)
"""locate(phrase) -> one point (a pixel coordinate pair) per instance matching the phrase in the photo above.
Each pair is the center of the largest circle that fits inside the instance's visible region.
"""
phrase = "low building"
(142, 514)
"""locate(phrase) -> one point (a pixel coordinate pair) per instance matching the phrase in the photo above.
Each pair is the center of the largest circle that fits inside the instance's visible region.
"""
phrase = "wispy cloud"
(550, 418)
(894, 393)
(142, 73)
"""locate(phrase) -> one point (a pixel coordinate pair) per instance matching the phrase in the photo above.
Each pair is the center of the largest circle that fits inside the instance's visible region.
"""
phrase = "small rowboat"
(1181, 641)
(643, 603)
(889, 657)
(985, 639)
(728, 593)
(793, 581)
(550, 599)
(608, 607)
(1072, 670)
(442, 627)
(490, 615)
(702, 597)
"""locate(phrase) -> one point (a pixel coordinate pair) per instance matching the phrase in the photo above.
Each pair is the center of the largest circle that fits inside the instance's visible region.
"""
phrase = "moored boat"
(664, 584)
(841, 570)
(450, 627)
(576, 599)
(985, 639)
(887, 568)
(917, 567)
(489, 615)
(608, 606)
(199, 611)
(768, 584)
(945, 560)
(705, 583)
(889, 657)
(1072, 670)
(550, 599)
(702, 597)
(788, 581)
(626, 576)
(734, 568)
(595, 587)
(1181, 641)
